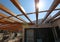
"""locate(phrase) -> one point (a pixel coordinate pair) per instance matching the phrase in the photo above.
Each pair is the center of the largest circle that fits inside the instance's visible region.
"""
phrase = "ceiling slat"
(55, 19)
(8, 17)
(9, 12)
(36, 8)
(53, 6)
(5, 18)
(38, 12)
(30, 13)
(18, 5)
(57, 14)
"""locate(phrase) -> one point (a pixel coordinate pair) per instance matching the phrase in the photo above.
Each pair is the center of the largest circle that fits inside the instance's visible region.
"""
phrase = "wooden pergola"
(8, 23)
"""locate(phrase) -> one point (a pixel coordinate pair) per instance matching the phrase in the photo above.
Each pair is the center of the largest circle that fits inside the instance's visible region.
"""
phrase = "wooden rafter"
(57, 14)
(5, 19)
(38, 12)
(53, 6)
(55, 19)
(18, 5)
(4, 16)
(36, 8)
(9, 12)
(30, 13)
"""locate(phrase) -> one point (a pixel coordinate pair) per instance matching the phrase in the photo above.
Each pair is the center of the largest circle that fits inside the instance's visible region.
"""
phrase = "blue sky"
(29, 6)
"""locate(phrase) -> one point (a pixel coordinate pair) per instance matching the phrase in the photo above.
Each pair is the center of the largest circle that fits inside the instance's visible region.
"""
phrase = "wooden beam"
(55, 20)
(53, 6)
(38, 12)
(18, 5)
(4, 16)
(6, 20)
(7, 17)
(57, 14)
(9, 12)
(36, 8)
(30, 13)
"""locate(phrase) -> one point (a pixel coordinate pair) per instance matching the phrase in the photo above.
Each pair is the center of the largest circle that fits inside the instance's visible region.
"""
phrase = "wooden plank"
(57, 14)
(53, 6)
(18, 5)
(55, 19)
(38, 12)
(36, 8)
(4, 16)
(9, 12)
(31, 13)
(7, 17)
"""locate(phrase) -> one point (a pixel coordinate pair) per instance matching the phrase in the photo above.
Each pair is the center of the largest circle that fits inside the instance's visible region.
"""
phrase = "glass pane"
(42, 15)
(24, 18)
(28, 5)
(45, 4)
(32, 17)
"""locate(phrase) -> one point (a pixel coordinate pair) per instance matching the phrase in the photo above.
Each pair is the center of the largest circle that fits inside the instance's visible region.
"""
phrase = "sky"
(29, 6)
